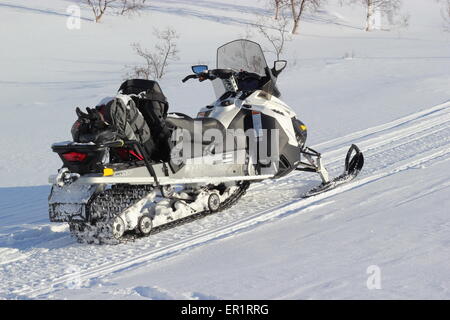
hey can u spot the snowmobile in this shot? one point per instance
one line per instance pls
(134, 168)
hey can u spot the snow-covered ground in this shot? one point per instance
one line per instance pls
(392, 98)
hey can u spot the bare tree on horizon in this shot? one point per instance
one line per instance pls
(389, 8)
(156, 60)
(275, 32)
(299, 7)
(99, 7)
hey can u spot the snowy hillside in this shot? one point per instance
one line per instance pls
(387, 91)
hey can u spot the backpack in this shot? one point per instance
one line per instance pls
(138, 113)
(152, 103)
(126, 119)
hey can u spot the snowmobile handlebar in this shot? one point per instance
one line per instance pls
(191, 76)
(211, 75)
(201, 77)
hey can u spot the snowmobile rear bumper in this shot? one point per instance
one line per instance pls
(68, 203)
(91, 154)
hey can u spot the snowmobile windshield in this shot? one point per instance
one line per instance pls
(247, 58)
(242, 55)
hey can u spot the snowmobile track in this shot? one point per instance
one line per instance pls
(390, 148)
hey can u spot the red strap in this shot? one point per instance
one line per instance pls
(136, 155)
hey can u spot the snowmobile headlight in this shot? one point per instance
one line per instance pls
(108, 172)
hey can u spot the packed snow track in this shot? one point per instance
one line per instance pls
(38, 259)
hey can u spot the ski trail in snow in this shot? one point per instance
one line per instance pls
(433, 118)
(404, 144)
(8, 255)
(421, 117)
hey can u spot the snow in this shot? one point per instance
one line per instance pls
(392, 98)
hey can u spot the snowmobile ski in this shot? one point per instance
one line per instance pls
(353, 165)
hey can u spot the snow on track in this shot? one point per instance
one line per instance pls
(408, 142)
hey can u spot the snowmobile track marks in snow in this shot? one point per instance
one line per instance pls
(425, 144)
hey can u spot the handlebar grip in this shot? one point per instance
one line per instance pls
(191, 76)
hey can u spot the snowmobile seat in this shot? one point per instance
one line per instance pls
(187, 123)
